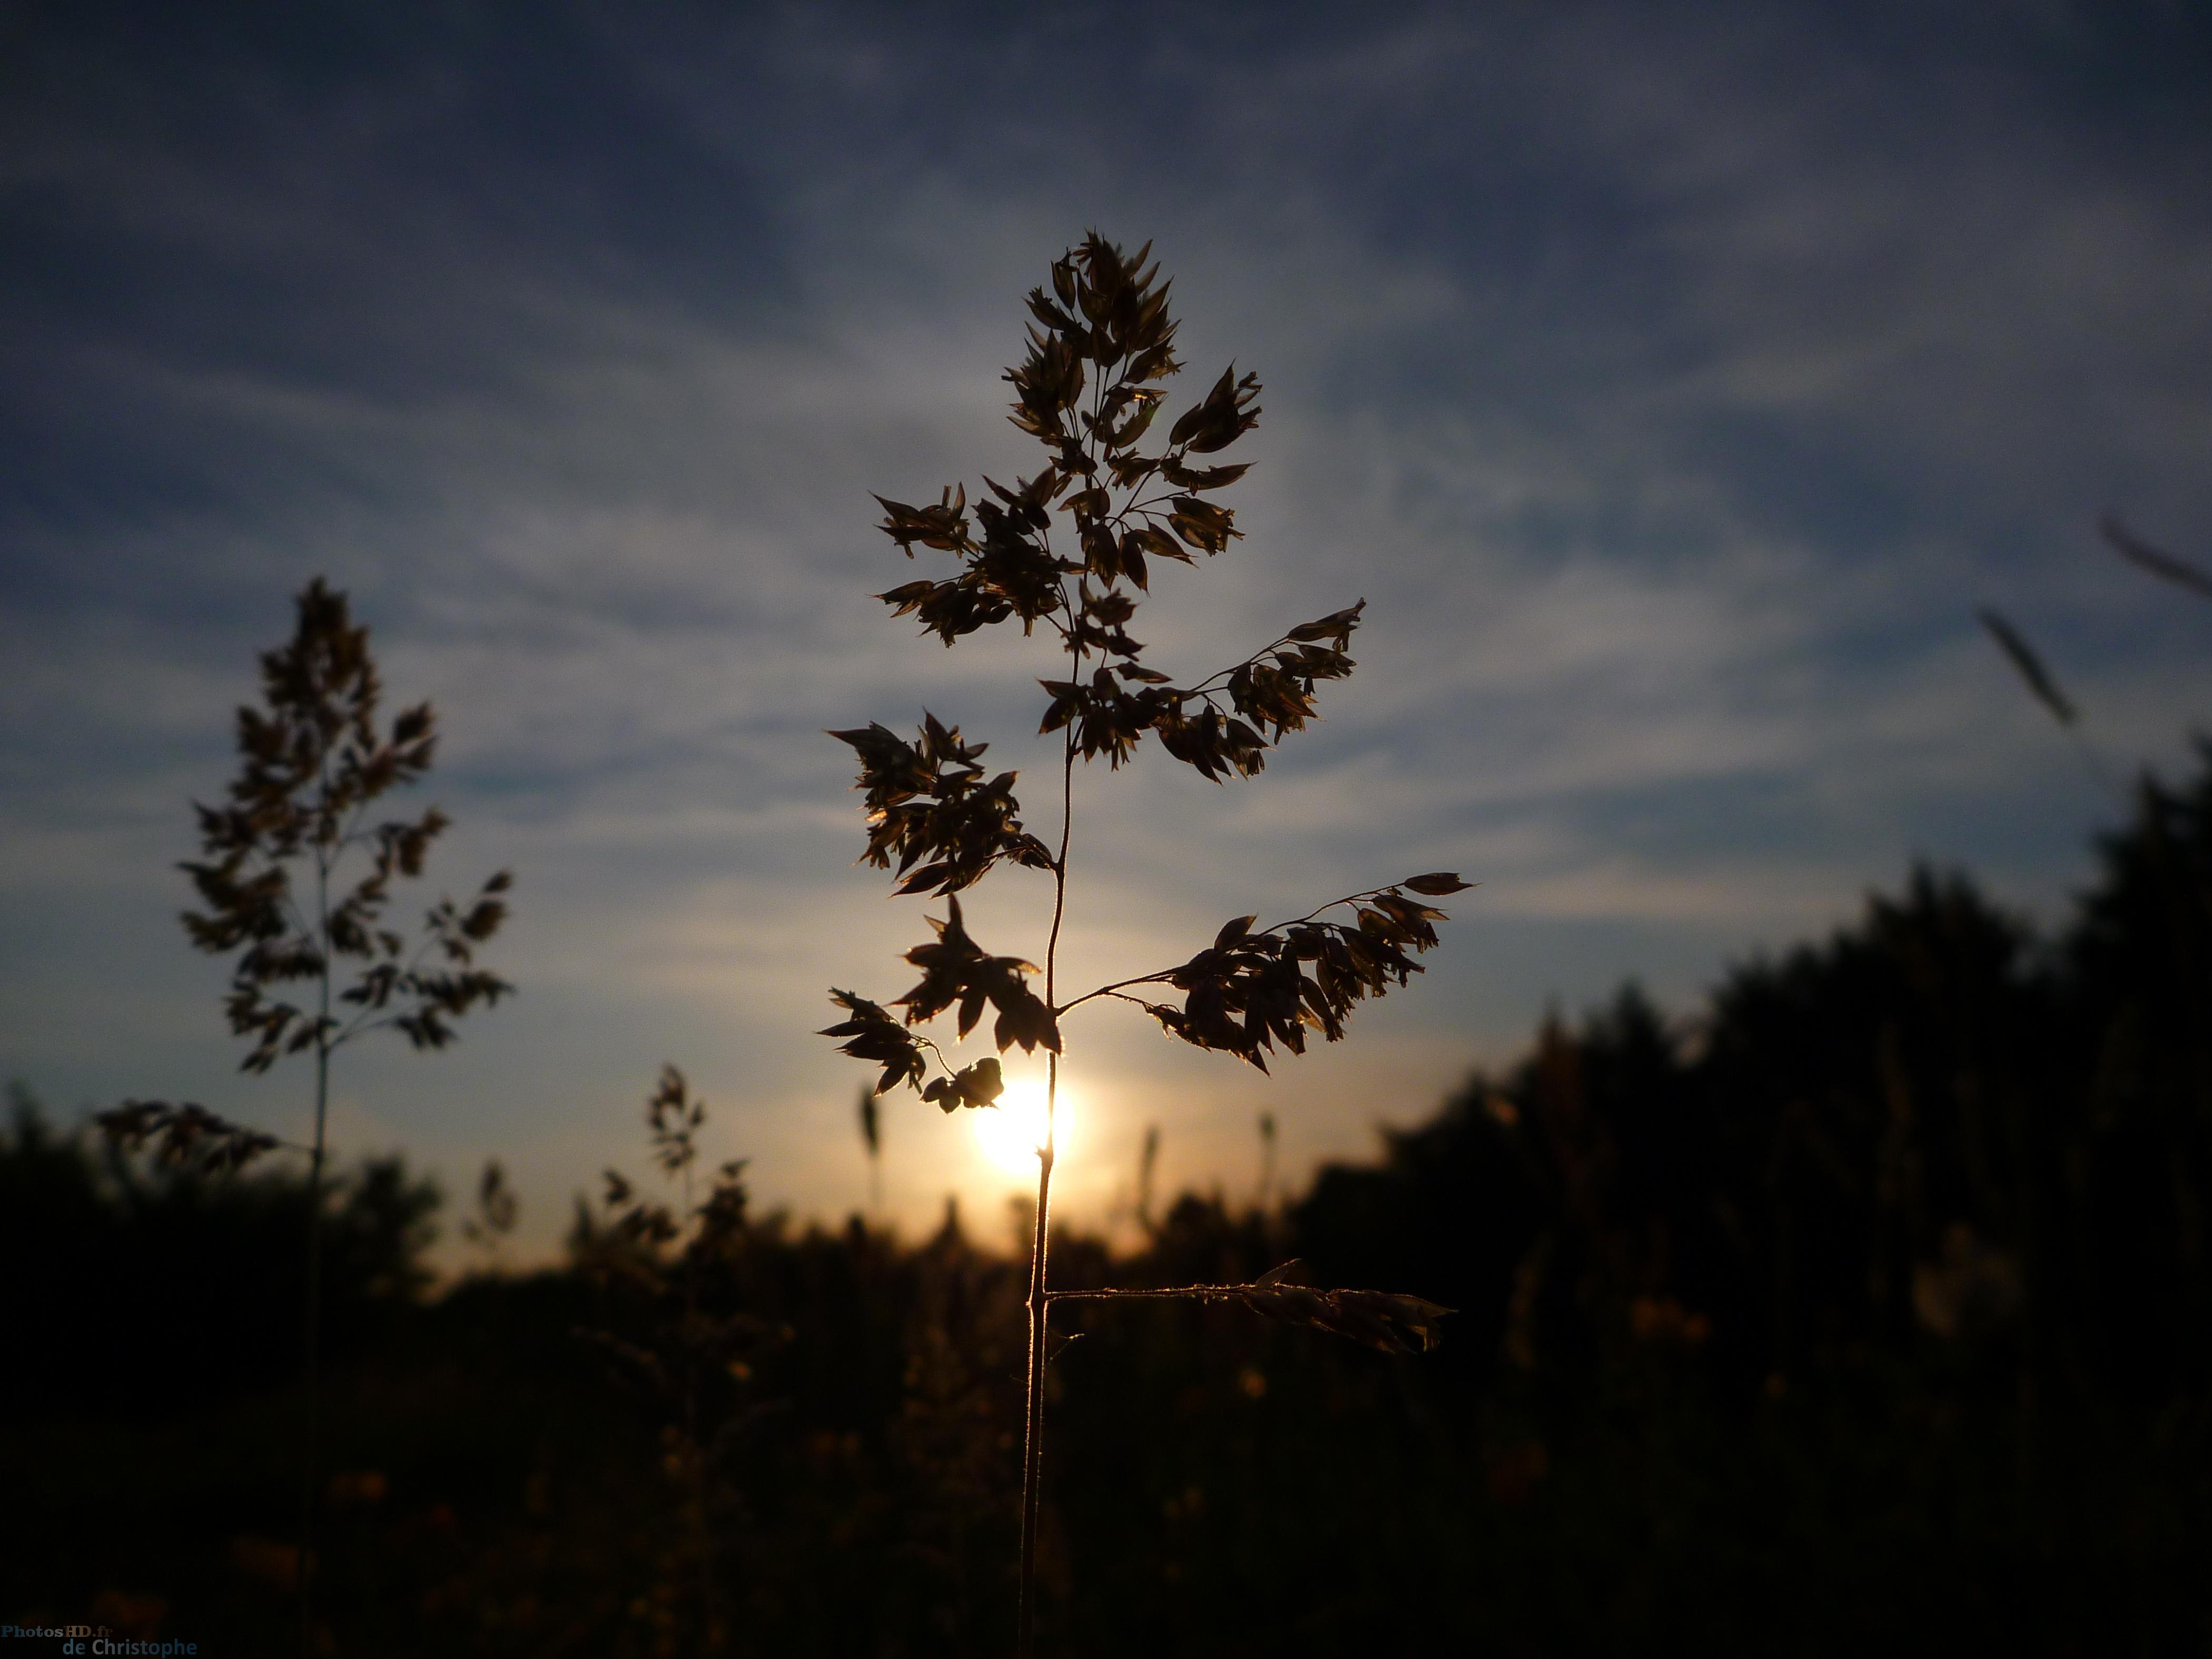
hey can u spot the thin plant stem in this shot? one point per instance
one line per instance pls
(709, 1636)
(1039, 1298)
(1172, 1293)
(1033, 1452)
(315, 1262)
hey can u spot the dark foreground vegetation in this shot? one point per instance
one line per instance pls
(1870, 1310)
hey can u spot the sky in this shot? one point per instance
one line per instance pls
(1674, 383)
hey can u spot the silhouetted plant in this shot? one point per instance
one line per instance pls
(1071, 548)
(313, 761)
(1148, 1164)
(187, 1136)
(2035, 674)
(872, 1140)
(693, 1365)
(497, 1211)
(2160, 563)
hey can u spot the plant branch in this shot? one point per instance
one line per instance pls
(1175, 1292)
(1162, 975)
(1349, 898)
(1205, 687)
(1116, 990)
(361, 1022)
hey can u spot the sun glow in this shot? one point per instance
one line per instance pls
(1012, 1132)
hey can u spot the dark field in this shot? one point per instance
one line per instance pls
(1869, 1311)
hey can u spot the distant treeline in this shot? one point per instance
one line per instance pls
(1936, 1125)
(1870, 1308)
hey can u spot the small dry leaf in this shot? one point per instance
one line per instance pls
(979, 1084)
(1437, 884)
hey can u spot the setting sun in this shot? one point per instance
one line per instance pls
(1010, 1133)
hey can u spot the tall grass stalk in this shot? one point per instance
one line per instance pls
(1071, 548)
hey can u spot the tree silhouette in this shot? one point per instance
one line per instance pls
(1072, 548)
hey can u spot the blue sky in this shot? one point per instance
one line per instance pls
(1673, 382)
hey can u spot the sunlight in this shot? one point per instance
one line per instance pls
(1010, 1133)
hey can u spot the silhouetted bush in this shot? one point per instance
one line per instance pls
(145, 1289)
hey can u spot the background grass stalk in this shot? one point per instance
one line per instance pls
(313, 761)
